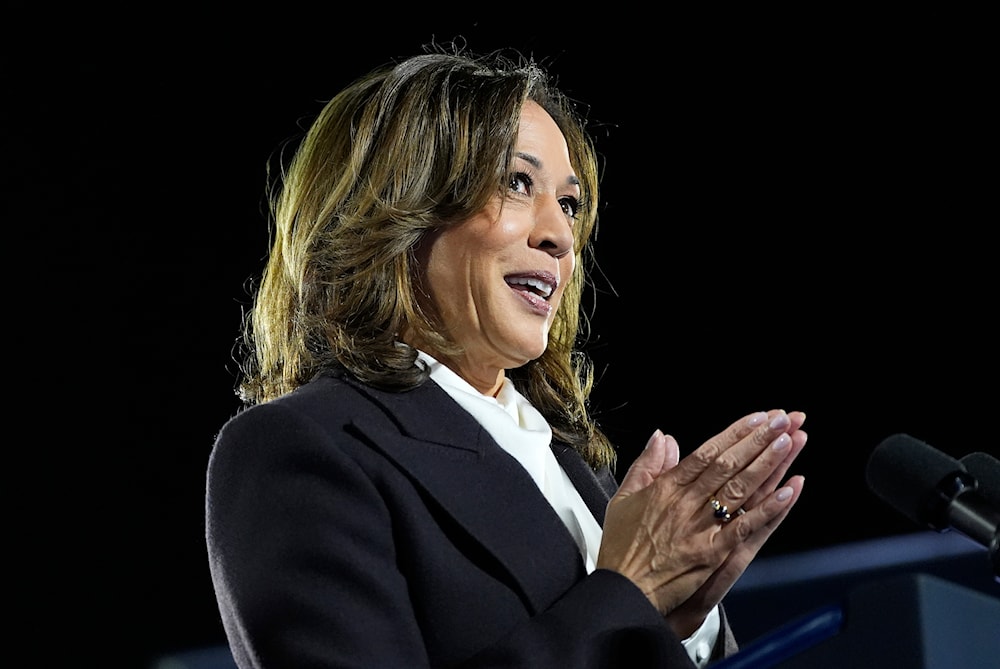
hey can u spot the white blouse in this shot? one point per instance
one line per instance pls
(521, 431)
(525, 434)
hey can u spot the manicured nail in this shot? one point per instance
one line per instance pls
(783, 494)
(781, 442)
(780, 421)
(757, 419)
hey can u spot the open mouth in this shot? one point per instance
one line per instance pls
(542, 287)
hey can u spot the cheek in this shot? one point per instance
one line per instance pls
(444, 281)
(566, 266)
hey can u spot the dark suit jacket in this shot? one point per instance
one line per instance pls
(350, 527)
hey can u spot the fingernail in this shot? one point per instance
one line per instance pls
(757, 419)
(783, 494)
(781, 442)
(779, 421)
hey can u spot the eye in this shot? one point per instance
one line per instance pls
(570, 205)
(520, 182)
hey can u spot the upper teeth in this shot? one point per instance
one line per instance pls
(542, 287)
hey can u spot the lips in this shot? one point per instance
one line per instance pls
(538, 284)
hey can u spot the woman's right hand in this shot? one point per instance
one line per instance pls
(660, 530)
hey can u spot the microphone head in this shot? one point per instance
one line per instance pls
(986, 470)
(916, 479)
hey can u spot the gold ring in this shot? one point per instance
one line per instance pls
(721, 511)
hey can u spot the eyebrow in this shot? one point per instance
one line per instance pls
(537, 164)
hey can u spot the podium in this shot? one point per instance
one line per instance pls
(912, 621)
(895, 615)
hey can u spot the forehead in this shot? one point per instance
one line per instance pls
(539, 136)
(536, 121)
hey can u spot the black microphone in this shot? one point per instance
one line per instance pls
(934, 490)
(986, 470)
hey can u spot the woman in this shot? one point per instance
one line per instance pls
(417, 481)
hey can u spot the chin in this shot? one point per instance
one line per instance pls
(535, 351)
(521, 346)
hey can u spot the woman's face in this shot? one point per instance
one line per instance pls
(496, 279)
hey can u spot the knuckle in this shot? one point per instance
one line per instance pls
(705, 556)
(734, 490)
(703, 458)
(742, 527)
(727, 464)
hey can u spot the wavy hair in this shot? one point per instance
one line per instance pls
(407, 149)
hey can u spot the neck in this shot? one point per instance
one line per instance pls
(486, 378)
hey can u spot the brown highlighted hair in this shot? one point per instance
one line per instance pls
(405, 150)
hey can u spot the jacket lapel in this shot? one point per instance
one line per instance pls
(595, 489)
(450, 456)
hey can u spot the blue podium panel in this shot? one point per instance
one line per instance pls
(775, 590)
(910, 621)
(794, 637)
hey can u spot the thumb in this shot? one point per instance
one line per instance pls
(661, 454)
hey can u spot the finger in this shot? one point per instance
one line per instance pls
(799, 438)
(718, 584)
(750, 530)
(691, 467)
(757, 534)
(771, 484)
(661, 453)
(672, 455)
(797, 418)
(768, 442)
(763, 475)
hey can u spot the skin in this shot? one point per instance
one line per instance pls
(659, 530)
(470, 269)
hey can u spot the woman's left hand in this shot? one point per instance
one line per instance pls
(689, 616)
(725, 460)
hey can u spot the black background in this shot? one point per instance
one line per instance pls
(798, 212)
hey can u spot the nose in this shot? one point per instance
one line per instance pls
(553, 230)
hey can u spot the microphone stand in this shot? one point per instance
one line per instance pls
(956, 505)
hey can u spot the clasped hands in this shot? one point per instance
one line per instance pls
(660, 530)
